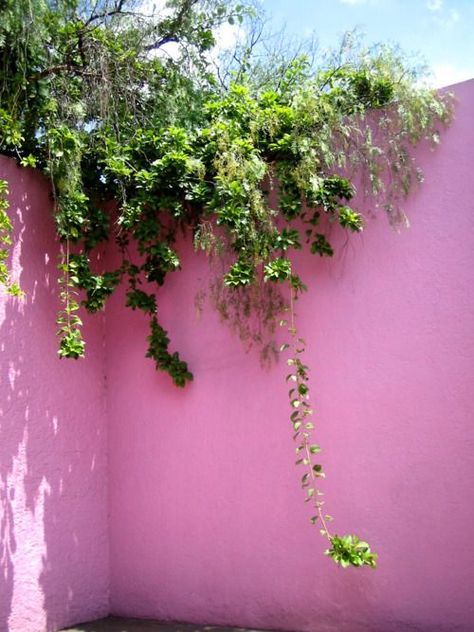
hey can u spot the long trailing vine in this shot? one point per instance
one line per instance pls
(256, 157)
(347, 550)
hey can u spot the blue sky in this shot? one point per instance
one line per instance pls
(440, 32)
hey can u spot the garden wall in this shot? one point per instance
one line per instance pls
(207, 520)
(53, 475)
(205, 517)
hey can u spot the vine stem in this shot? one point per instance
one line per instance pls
(68, 314)
(292, 330)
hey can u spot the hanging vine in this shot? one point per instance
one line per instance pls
(257, 165)
(6, 230)
(347, 550)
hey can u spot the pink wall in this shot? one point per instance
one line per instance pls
(53, 518)
(207, 521)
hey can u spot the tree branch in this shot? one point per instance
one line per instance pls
(105, 14)
(174, 27)
(54, 70)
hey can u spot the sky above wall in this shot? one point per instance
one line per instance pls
(439, 32)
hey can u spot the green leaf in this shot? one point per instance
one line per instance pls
(277, 270)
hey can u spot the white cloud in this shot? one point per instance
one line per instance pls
(171, 50)
(454, 16)
(228, 35)
(446, 74)
(434, 5)
(446, 20)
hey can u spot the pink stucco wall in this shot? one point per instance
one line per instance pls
(207, 521)
(53, 515)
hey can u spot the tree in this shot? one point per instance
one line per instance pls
(92, 96)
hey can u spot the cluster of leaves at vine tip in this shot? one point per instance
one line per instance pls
(348, 550)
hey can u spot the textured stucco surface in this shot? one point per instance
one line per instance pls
(53, 514)
(207, 519)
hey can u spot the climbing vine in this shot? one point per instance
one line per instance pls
(141, 142)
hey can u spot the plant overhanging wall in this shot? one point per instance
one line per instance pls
(254, 150)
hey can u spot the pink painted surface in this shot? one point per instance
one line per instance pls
(53, 517)
(207, 522)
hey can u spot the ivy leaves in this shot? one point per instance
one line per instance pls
(277, 270)
(349, 550)
(71, 343)
(6, 229)
(171, 363)
(240, 274)
(158, 341)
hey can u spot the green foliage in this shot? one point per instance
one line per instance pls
(241, 273)
(71, 344)
(277, 270)
(139, 145)
(348, 550)
(6, 228)
(98, 287)
(165, 361)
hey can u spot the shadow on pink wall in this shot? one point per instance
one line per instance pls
(53, 531)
